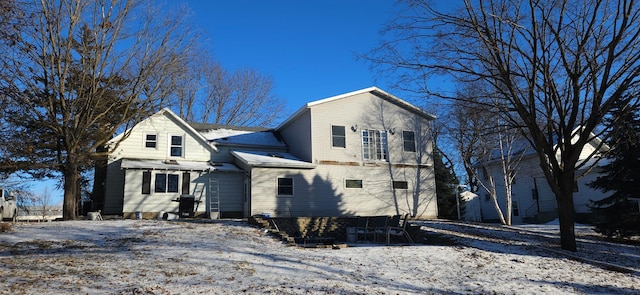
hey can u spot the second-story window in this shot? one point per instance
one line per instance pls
(374, 145)
(409, 141)
(338, 138)
(177, 146)
(151, 141)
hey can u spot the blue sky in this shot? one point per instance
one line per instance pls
(308, 48)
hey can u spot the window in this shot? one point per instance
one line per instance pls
(146, 182)
(353, 183)
(514, 206)
(176, 146)
(285, 186)
(338, 138)
(409, 139)
(166, 183)
(374, 145)
(151, 141)
(400, 185)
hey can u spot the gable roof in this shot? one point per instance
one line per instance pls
(373, 90)
(179, 121)
(522, 147)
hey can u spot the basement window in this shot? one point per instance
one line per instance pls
(400, 185)
(353, 183)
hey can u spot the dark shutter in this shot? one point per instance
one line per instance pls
(146, 182)
(186, 180)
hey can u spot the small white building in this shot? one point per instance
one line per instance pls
(472, 210)
(365, 152)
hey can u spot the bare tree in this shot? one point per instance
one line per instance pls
(468, 127)
(80, 71)
(244, 97)
(209, 93)
(556, 67)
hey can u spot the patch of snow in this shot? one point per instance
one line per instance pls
(231, 257)
(242, 137)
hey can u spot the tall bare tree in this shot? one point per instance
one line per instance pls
(485, 142)
(556, 66)
(244, 97)
(210, 93)
(78, 72)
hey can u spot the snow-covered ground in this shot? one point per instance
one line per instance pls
(231, 257)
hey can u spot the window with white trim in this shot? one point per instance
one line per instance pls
(374, 145)
(151, 141)
(166, 183)
(285, 186)
(353, 183)
(409, 141)
(338, 136)
(176, 148)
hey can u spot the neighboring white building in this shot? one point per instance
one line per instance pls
(472, 211)
(533, 199)
(362, 153)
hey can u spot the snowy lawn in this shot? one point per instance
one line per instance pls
(231, 257)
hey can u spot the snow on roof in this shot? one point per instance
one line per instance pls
(271, 159)
(177, 165)
(468, 196)
(229, 136)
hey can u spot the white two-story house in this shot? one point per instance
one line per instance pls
(533, 200)
(365, 152)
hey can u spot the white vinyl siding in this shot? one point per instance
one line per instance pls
(133, 147)
(322, 192)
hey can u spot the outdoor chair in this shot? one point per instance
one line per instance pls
(377, 227)
(399, 231)
(361, 228)
(395, 221)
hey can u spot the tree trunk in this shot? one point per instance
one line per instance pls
(71, 176)
(494, 197)
(566, 212)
